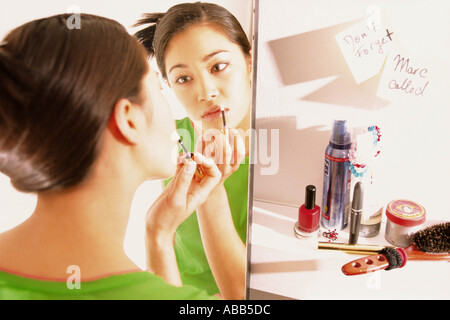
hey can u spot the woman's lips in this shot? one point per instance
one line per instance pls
(213, 113)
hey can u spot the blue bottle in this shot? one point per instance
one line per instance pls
(337, 178)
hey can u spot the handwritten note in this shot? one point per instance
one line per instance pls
(404, 75)
(365, 47)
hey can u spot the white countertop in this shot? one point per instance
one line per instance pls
(284, 265)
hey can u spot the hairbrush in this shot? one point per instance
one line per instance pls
(432, 243)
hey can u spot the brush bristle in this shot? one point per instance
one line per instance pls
(434, 239)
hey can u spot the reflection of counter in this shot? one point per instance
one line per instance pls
(282, 264)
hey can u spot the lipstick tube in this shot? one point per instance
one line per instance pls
(357, 208)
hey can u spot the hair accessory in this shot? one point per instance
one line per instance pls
(359, 163)
(331, 235)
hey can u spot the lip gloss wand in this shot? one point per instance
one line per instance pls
(225, 129)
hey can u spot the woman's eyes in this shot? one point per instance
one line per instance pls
(215, 68)
(219, 67)
(183, 79)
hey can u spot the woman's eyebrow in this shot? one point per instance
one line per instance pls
(177, 66)
(209, 56)
(205, 59)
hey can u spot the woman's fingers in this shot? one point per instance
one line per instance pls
(208, 165)
(200, 189)
(227, 150)
(200, 145)
(189, 192)
(181, 183)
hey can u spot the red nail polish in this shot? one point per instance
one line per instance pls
(308, 214)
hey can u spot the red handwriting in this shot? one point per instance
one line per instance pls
(407, 87)
(365, 43)
(412, 84)
(404, 66)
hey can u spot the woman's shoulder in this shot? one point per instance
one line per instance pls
(9, 247)
(184, 123)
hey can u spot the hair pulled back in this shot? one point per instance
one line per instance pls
(162, 27)
(58, 90)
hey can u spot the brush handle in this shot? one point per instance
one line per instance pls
(383, 260)
(350, 248)
(412, 252)
(365, 265)
(415, 254)
(380, 262)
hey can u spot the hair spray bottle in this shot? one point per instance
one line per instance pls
(337, 178)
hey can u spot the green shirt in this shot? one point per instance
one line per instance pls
(130, 286)
(191, 258)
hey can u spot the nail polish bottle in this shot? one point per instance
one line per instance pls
(308, 215)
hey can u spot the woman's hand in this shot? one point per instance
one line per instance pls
(225, 251)
(182, 195)
(179, 199)
(228, 151)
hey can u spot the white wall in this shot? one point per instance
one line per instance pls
(304, 83)
(16, 207)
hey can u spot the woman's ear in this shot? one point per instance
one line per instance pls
(250, 64)
(128, 120)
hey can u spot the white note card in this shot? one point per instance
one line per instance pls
(365, 46)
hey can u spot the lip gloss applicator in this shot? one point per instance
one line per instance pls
(225, 129)
(199, 173)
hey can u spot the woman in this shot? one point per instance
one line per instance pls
(83, 124)
(204, 55)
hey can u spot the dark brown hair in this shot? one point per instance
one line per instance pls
(162, 27)
(58, 90)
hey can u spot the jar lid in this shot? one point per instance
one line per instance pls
(405, 213)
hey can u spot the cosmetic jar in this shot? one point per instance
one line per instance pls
(404, 218)
(371, 221)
